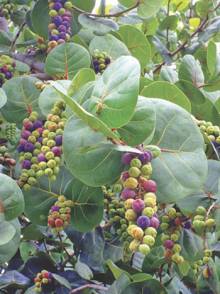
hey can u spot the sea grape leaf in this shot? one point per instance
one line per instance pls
(182, 167)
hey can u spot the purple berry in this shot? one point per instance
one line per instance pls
(57, 6)
(54, 38)
(127, 193)
(62, 36)
(41, 157)
(145, 157)
(143, 221)
(8, 75)
(29, 147)
(62, 28)
(138, 205)
(25, 134)
(57, 151)
(20, 148)
(107, 60)
(26, 164)
(188, 225)
(57, 20)
(125, 175)
(154, 222)
(59, 140)
(37, 124)
(55, 208)
(40, 139)
(168, 244)
(127, 158)
(66, 23)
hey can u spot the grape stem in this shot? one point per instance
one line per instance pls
(138, 2)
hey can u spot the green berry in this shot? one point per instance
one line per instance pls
(144, 249)
(134, 172)
(135, 162)
(148, 211)
(149, 240)
(151, 232)
(201, 210)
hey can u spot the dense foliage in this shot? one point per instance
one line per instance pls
(110, 146)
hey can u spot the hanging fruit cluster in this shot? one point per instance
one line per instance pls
(7, 68)
(29, 148)
(115, 210)
(209, 130)
(140, 201)
(51, 150)
(202, 265)
(40, 146)
(42, 280)
(172, 224)
(7, 8)
(10, 132)
(100, 61)
(5, 157)
(60, 214)
(201, 221)
(61, 20)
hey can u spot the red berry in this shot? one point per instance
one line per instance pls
(58, 222)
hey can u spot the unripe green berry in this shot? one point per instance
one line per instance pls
(135, 162)
(149, 240)
(144, 249)
(134, 172)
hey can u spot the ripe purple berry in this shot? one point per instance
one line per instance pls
(127, 193)
(154, 222)
(29, 147)
(138, 205)
(127, 158)
(56, 151)
(168, 244)
(41, 157)
(59, 140)
(143, 222)
(26, 164)
(145, 157)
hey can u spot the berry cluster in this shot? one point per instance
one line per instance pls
(115, 210)
(7, 68)
(100, 61)
(60, 214)
(5, 158)
(7, 8)
(29, 149)
(60, 26)
(140, 203)
(201, 222)
(209, 130)
(171, 225)
(51, 151)
(10, 132)
(42, 280)
(40, 146)
(203, 264)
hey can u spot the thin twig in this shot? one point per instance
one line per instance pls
(168, 14)
(17, 36)
(89, 286)
(184, 44)
(63, 247)
(108, 15)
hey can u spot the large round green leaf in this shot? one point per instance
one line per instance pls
(87, 211)
(66, 60)
(167, 91)
(190, 70)
(115, 94)
(111, 45)
(137, 43)
(39, 200)
(49, 96)
(88, 156)
(40, 18)
(10, 239)
(142, 125)
(11, 198)
(22, 97)
(182, 167)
